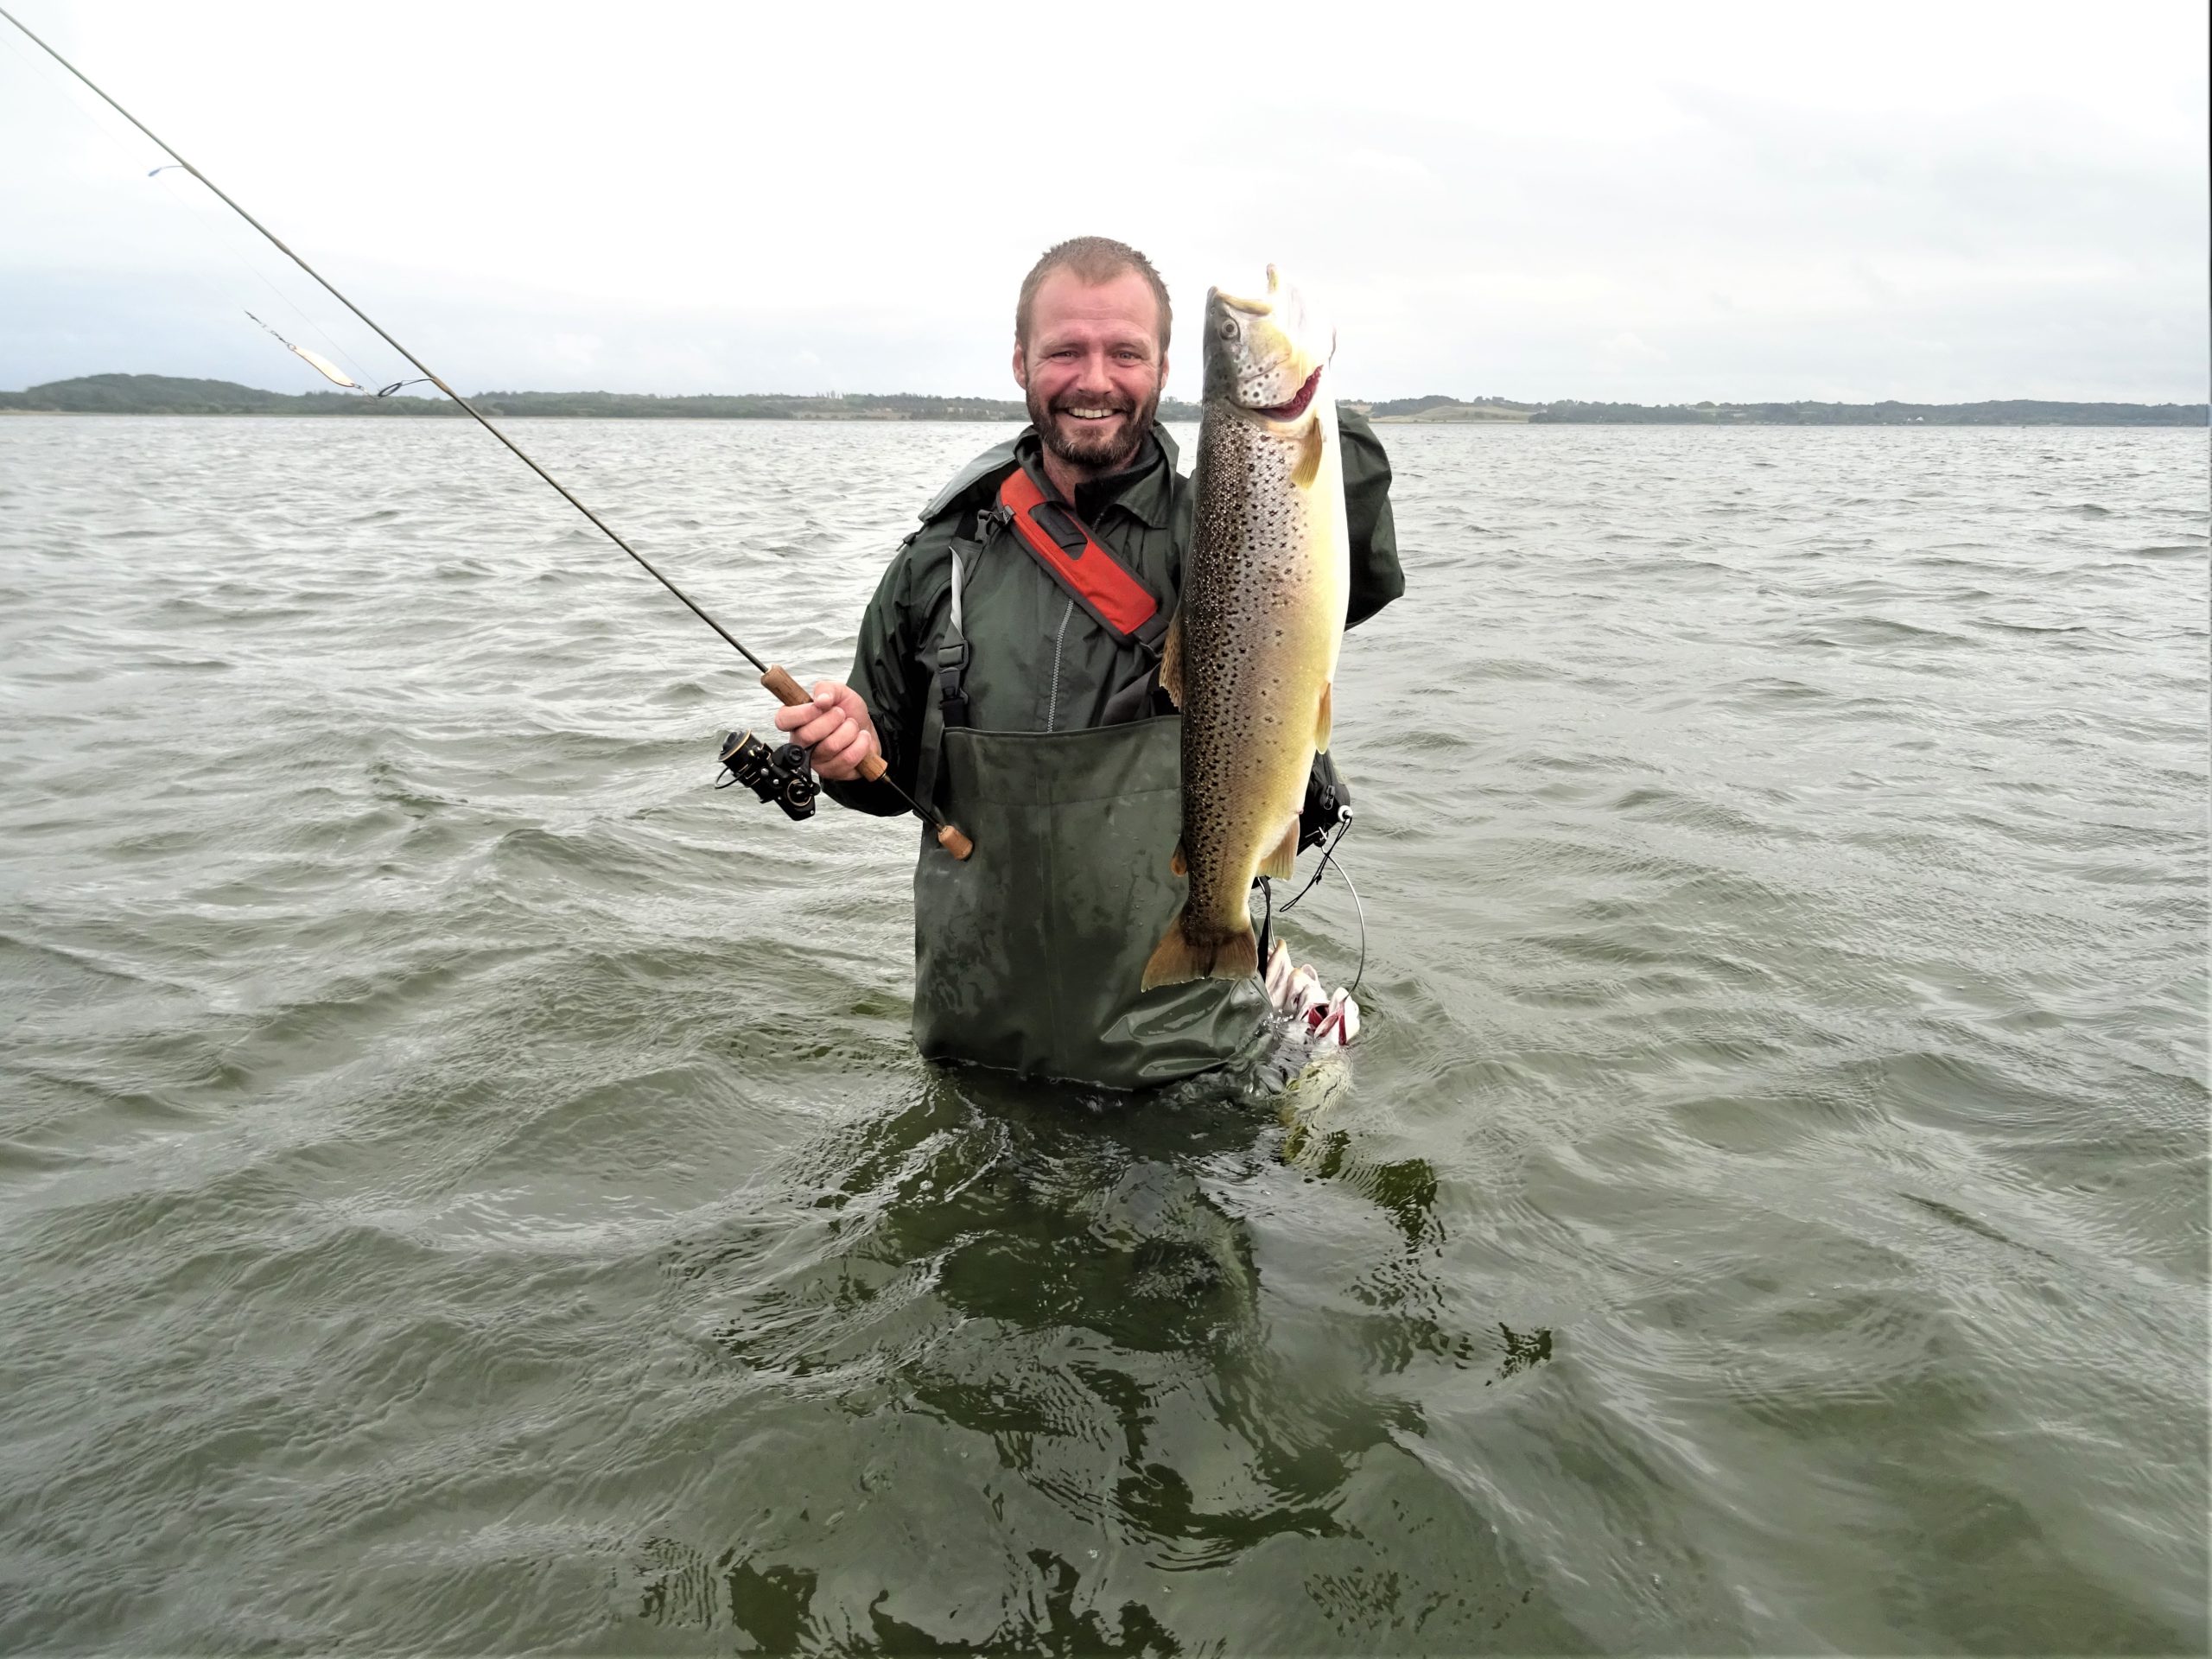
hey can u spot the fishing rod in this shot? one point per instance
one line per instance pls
(777, 765)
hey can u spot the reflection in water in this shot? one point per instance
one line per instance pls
(774, 1609)
(1524, 1349)
(1046, 1309)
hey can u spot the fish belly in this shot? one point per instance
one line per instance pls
(1262, 610)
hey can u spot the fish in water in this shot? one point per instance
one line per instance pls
(1252, 650)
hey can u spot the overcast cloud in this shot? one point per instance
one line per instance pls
(1928, 201)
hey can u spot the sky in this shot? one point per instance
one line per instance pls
(1933, 201)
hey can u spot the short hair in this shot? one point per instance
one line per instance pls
(1094, 259)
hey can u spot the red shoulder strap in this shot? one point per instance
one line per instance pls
(1075, 558)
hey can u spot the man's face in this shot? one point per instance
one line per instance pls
(1093, 369)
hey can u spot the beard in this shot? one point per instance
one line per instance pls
(1097, 453)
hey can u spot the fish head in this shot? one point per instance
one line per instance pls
(1266, 356)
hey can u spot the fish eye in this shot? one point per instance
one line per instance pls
(1228, 330)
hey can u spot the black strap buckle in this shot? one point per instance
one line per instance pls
(1327, 805)
(952, 660)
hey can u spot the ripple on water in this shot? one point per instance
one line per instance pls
(470, 1187)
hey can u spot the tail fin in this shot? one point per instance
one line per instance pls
(1191, 950)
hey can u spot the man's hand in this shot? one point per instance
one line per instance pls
(836, 726)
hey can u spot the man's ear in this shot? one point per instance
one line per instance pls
(1021, 367)
(1163, 373)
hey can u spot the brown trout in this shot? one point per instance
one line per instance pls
(1252, 649)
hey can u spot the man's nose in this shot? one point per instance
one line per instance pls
(1095, 376)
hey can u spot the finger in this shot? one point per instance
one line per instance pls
(835, 694)
(839, 759)
(821, 724)
(788, 719)
(836, 748)
(856, 755)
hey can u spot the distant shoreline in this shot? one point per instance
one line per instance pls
(150, 394)
(1498, 411)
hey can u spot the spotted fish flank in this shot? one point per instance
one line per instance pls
(1251, 652)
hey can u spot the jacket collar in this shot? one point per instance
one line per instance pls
(1144, 490)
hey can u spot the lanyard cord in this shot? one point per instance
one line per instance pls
(1329, 860)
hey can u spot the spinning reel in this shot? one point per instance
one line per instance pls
(784, 775)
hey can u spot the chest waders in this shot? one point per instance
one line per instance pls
(1027, 956)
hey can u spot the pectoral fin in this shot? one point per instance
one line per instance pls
(1278, 864)
(1324, 721)
(1309, 458)
(1180, 864)
(1170, 663)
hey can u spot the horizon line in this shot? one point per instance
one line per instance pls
(833, 396)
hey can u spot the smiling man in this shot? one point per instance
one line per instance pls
(1007, 669)
(1090, 357)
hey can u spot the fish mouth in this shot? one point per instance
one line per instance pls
(1298, 406)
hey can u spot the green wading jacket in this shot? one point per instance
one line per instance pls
(1039, 663)
(1028, 957)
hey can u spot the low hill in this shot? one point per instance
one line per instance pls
(146, 394)
(1435, 411)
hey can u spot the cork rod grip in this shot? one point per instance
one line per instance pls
(778, 679)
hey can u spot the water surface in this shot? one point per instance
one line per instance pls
(465, 1185)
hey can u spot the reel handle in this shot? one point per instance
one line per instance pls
(787, 691)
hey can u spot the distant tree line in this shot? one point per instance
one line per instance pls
(159, 394)
(2008, 412)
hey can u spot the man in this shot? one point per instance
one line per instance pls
(1016, 688)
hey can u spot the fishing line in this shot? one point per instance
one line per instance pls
(222, 232)
(427, 373)
(225, 234)
(776, 679)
